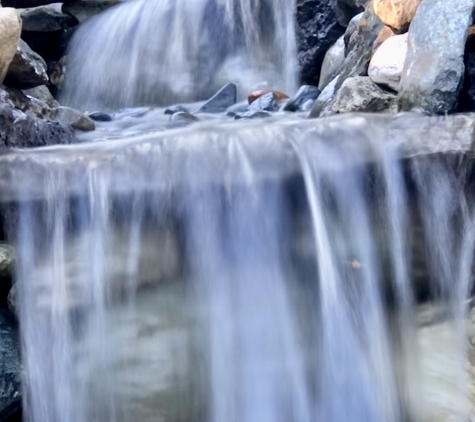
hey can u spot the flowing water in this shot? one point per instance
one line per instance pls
(278, 270)
(243, 272)
(167, 51)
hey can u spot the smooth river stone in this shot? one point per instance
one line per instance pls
(434, 67)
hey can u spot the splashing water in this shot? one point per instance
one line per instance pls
(242, 272)
(166, 51)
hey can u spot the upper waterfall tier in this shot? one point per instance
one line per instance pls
(165, 51)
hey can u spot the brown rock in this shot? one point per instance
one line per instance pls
(397, 14)
(253, 96)
(10, 31)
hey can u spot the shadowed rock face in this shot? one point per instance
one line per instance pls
(433, 71)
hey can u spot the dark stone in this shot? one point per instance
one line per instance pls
(360, 46)
(303, 95)
(319, 25)
(433, 71)
(220, 101)
(10, 367)
(47, 30)
(467, 94)
(84, 9)
(98, 116)
(252, 114)
(30, 106)
(26, 3)
(350, 8)
(266, 103)
(176, 109)
(27, 69)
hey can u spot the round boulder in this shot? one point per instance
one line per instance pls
(10, 31)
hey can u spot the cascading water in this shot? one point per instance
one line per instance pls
(242, 272)
(166, 51)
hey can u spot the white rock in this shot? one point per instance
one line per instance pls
(387, 62)
(10, 31)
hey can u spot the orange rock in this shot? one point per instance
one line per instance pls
(253, 96)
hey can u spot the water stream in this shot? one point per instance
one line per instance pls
(278, 270)
(245, 272)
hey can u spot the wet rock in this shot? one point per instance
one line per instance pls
(257, 94)
(56, 73)
(237, 108)
(433, 70)
(219, 102)
(47, 30)
(27, 69)
(359, 47)
(397, 14)
(183, 116)
(332, 63)
(350, 8)
(385, 67)
(304, 94)
(351, 29)
(266, 102)
(21, 130)
(319, 25)
(307, 105)
(98, 116)
(26, 3)
(176, 109)
(10, 30)
(467, 94)
(43, 94)
(10, 367)
(47, 18)
(30, 106)
(360, 93)
(322, 104)
(252, 114)
(84, 9)
(74, 118)
(7, 260)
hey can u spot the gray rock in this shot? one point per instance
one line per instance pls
(74, 118)
(252, 114)
(350, 30)
(27, 69)
(176, 109)
(433, 70)
(183, 116)
(304, 94)
(266, 102)
(31, 106)
(99, 116)
(7, 260)
(43, 94)
(319, 25)
(10, 367)
(323, 103)
(18, 129)
(332, 63)
(360, 46)
(360, 93)
(307, 105)
(220, 101)
(240, 107)
(84, 9)
(47, 18)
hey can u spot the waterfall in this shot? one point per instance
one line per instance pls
(166, 51)
(251, 272)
